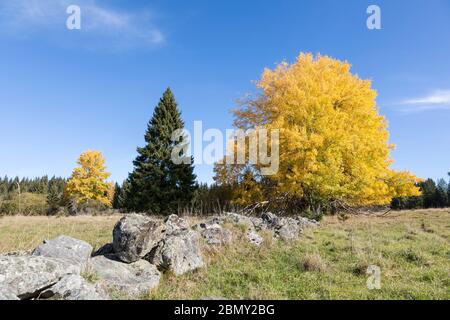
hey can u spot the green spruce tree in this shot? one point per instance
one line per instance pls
(120, 194)
(157, 185)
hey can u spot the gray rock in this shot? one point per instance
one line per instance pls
(287, 229)
(179, 253)
(63, 247)
(104, 250)
(251, 222)
(6, 294)
(74, 287)
(175, 224)
(132, 279)
(254, 238)
(217, 235)
(27, 276)
(135, 235)
(238, 219)
(212, 223)
(307, 223)
(270, 220)
(258, 223)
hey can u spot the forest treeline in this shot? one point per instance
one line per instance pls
(434, 194)
(45, 196)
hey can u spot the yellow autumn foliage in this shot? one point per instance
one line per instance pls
(333, 141)
(88, 180)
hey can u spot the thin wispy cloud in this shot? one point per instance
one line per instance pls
(106, 26)
(438, 99)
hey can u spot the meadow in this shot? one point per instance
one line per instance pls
(412, 249)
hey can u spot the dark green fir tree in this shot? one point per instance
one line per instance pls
(158, 185)
(117, 203)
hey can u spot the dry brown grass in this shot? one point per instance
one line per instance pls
(313, 262)
(20, 233)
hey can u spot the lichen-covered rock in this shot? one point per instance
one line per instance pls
(212, 223)
(27, 276)
(63, 247)
(254, 238)
(270, 220)
(74, 287)
(131, 279)
(217, 235)
(135, 235)
(307, 223)
(178, 252)
(6, 294)
(175, 224)
(238, 219)
(287, 229)
(258, 223)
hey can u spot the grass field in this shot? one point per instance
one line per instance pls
(412, 248)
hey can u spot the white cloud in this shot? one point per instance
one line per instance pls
(107, 26)
(438, 99)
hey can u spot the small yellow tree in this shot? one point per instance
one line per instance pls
(88, 181)
(333, 142)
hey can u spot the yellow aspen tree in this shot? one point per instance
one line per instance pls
(333, 141)
(88, 180)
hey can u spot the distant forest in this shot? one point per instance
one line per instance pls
(45, 196)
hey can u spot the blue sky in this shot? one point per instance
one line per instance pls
(66, 91)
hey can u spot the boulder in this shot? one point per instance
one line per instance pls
(6, 294)
(212, 223)
(178, 253)
(238, 219)
(175, 224)
(74, 287)
(131, 279)
(287, 229)
(270, 220)
(27, 276)
(258, 223)
(307, 223)
(254, 238)
(63, 247)
(135, 235)
(217, 235)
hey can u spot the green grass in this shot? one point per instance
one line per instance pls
(331, 262)
(412, 248)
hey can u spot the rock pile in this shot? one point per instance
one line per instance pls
(142, 248)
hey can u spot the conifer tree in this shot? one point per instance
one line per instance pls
(117, 202)
(158, 185)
